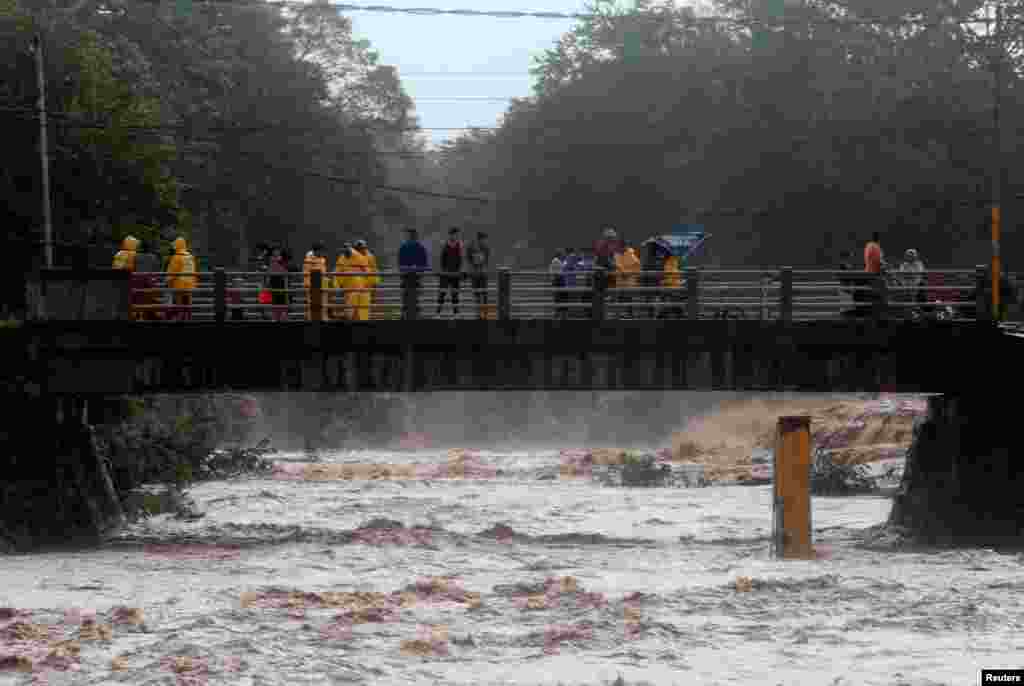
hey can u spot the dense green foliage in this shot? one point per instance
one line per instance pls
(242, 124)
(816, 132)
(206, 126)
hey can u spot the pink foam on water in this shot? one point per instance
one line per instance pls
(559, 633)
(288, 471)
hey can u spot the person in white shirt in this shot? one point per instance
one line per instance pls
(912, 276)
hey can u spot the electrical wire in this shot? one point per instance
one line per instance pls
(517, 14)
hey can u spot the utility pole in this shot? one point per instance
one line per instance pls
(44, 148)
(997, 162)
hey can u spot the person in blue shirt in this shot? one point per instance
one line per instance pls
(412, 261)
(412, 255)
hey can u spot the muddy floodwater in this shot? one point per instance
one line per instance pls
(507, 575)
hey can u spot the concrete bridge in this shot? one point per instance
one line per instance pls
(66, 368)
(719, 329)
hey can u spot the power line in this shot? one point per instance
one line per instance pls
(68, 119)
(358, 182)
(690, 21)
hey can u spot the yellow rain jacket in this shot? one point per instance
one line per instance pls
(311, 264)
(125, 258)
(183, 263)
(672, 276)
(356, 298)
(627, 266)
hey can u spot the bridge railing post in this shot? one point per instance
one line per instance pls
(220, 295)
(881, 296)
(600, 294)
(504, 294)
(786, 294)
(316, 289)
(982, 304)
(692, 293)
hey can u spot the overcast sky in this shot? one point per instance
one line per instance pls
(448, 63)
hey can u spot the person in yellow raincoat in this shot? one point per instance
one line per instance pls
(342, 283)
(627, 270)
(181, 271)
(315, 262)
(125, 259)
(373, 274)
(672, 279)
(357, 297)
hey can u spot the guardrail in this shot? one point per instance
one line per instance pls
(751, 294)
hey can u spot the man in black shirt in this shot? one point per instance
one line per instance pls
(451, 271)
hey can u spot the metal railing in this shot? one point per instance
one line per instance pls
(785, 294)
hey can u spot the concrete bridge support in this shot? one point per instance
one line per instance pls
(962, 481)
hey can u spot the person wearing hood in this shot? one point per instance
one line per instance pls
(372, 278)
(627, 272)
(912, 274)
(125, 259)
(672, 282)
(652, 265)
(357, 305)
(182, 277)
(315, 262)
(341, 283)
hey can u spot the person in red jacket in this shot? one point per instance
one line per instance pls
(451, 271)
(873, 257)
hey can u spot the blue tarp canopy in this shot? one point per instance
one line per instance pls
(682, 242)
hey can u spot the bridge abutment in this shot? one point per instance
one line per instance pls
(961, 483)
(57, 487)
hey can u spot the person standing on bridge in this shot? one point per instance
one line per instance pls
(672, 283)
(451, 271)
(278, 283)
(413, 260)
(357, 297)
(627, 272)
(182, 277)
(873, 257)
(912, 277)
(558, 282)
(373, 274)
(478, 254)
(315, 261)
(570, 266)
(341, 284)
(125, 259)
(874, 262)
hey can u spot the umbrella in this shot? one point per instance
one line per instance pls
(679, 244)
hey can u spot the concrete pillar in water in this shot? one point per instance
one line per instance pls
(791, 489)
